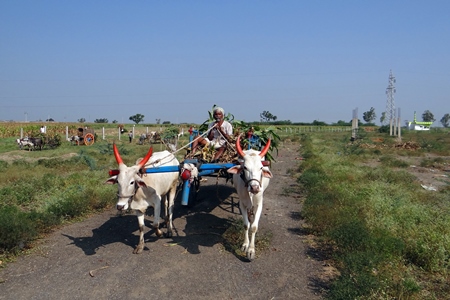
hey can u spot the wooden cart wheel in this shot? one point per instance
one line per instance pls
(89, 139)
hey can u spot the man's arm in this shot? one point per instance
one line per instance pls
(224, 133)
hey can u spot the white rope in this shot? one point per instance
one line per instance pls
(188, 144)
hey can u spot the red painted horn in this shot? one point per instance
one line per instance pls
(265, 149)
(117, 155)
(238, 147)
(146, 158)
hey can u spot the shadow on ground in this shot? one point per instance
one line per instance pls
(201, 227)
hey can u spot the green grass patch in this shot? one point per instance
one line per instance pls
(391, 238)
(233, 238)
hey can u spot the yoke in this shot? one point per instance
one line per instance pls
(204, 169)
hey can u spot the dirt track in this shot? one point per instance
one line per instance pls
(93, 259)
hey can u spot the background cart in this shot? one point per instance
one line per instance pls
(86, 136)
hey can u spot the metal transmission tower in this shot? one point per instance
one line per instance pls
(390, 105)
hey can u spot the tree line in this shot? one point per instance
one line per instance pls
(267, 117)
(427, 116)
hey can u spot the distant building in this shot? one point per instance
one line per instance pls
(414, 125)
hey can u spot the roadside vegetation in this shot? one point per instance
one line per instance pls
(388, 237)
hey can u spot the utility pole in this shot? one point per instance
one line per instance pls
(390, 104)
(354, 125)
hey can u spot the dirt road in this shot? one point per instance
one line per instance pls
(93, 259)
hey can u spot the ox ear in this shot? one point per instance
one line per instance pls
(266, 172)
(234, 170)
(141, 183)
(111, 180)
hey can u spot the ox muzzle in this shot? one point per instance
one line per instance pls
(253, 185)
(124, 202)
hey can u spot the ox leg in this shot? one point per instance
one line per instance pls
(157, 215)
(169, 203)
(140, 215)
(253, 229)
(244, 212)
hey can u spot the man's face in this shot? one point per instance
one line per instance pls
(218, 115)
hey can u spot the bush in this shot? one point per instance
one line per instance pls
(17, 229)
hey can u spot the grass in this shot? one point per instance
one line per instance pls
(233, 238)
(391, 238)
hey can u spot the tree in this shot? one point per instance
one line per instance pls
(318, 123)
(114, 121)
(343, 123)
(370, 115)
(137, 118)
(104, 120)
(445, 120)
(50, 120)
(266, 116)
(428, 116)
(81, 120)
(383, 117)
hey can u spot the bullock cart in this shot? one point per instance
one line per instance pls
(192, 170)
(85, 136)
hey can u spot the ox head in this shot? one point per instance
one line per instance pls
(251, 169)
(128, 179)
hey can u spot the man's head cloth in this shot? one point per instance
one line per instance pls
(219, 109)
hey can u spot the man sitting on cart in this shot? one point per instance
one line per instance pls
(220, 132)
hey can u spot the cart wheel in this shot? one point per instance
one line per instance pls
(89, 139)
(195, 186)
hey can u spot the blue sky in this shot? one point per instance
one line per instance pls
(173, 60)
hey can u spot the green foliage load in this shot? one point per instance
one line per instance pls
(242, 128)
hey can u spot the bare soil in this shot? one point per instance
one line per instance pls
(93, 259)
(432, 178)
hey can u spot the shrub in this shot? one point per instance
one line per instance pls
(17, 229)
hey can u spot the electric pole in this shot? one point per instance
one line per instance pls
(390, 104)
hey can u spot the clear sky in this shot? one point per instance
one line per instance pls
(173, 60)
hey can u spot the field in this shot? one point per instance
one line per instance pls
(377, 208)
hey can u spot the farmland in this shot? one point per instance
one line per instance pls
(368, 204)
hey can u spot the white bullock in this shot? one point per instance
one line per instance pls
(250, 178)
(142, 190)
(25, 142)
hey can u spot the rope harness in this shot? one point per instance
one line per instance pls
(250, 180)
(130, 197)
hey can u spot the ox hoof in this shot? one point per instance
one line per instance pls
(138, 250)
(244, 248)
(168, 234)
(251, 255)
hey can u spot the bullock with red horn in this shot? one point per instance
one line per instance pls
(250, 178)
(139, 191)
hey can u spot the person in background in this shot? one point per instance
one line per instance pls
(220, 133)
(130, 136)
(42, 130)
